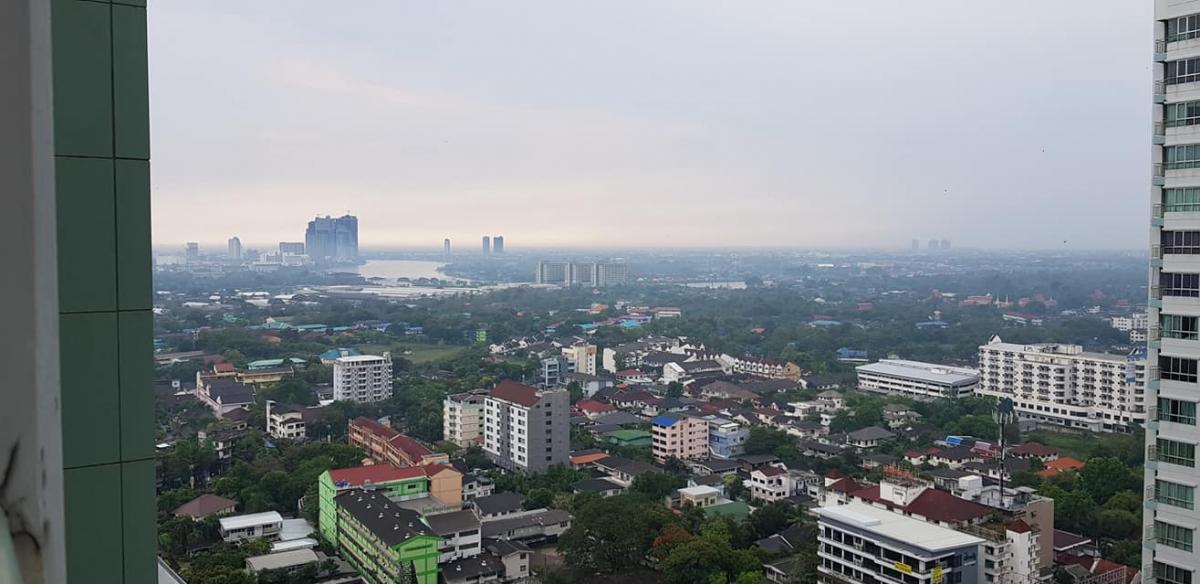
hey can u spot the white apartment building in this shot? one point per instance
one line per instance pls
(265, 525)
(1066, 386)
(285, 422)
(362, 378)
(525, 428)
(861, 543)
(1134, 321)
(917, 380)
(462, 418)
(1169, 553)
(580, 358)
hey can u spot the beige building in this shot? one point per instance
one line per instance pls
(462, 418)
(682, 437)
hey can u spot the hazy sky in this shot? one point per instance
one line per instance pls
(1022, 123)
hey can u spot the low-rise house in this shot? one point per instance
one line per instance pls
(499, 505)
(628, 438)
(223, 394)
(869, 437)
(818, 449)
(870, 461)
(583, 458)
(251, 526)
(285, 422)
(919, 457)
(699, 496)
(478, 569)
(688, 370)
(602, 486)
(459, 531)
(592, 408)
(623, 470)
(788, 540)
(288, 560)
(206, 505)
(954, 457)
(714, 466)
(1061, 465)
(783, 570)
(221, 440)
(513, 555)
(1035, 450)
(474, 486)
(534, 526)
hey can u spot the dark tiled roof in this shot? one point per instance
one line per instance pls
(934, 504)
(517, 393)
(500, 503)
(445, 524)
(597, 485)
(204, 505)
(389, 522)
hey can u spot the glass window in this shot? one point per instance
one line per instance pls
(1168, 574)
(1177, 369)
(1173, 452)
(1181, 200)
(1184, 113)
(1183, 156)
(1187, 285)
(1177, 411)
(1180, 327)
(1183, 28)
(1183, 71)
(1174, 536)
(1175, 494)
(1180, 242)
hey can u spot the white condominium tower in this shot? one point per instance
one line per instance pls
(1065, 385)
(1169, 553)
(362, 378)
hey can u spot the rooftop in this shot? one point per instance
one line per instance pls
(250, 520)
(517, 393)
(897, 527)
(205, 505)
(928, 372)
(376, 474)
(500, 503)
(282, 560)
(389, 522)
(451, 523)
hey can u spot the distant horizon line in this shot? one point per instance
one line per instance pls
(475, 250)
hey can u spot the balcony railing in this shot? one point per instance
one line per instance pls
(1160, 46)
(1156, 210)
(1156, 251)
(1157, 169)
(1153, 333)
(1160, 88)
(1151, 452)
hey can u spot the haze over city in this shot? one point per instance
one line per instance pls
(671, 124)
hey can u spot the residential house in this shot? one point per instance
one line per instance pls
(204, 506)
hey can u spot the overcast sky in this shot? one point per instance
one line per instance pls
(1022, 123)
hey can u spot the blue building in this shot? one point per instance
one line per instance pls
(848, 355)
(726, 438)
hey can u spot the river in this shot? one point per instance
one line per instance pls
(395, 269)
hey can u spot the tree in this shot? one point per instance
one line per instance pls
(656, 485)
(1102, 478)
(539, 498)
(674, 389)
(574, 391)
(612, 534)
(772, 518)
(1118, 524)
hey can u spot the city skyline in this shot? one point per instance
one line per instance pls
(449, 120)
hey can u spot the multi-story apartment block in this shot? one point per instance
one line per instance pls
(362, 378)
(917, 380)
(859, 543)
(385, 542)
(549, 272)
(525, 428)
(332, 239)
(1171, 518)
(462, 418)
(387, 446)
(580, 358)
(1064, 385)
(285, 422)
(682, 437)
(383, 478)
(1134, 321)
(726, 438)
(610, 274)
(769, 368)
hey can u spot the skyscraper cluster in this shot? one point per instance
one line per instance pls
(493, 244)
(596, 274)
(332, 239)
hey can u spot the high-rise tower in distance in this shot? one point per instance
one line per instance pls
(446, 246)
(332, 239)
(1169, 552)
(487, 245)
(498, 244)
(235, 248)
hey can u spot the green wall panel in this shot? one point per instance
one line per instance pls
(134, 286)
(131, 106)
(90, 399)
(87, 259)
(136, 378)
(93, 521)
(140, 512)
(82, 48)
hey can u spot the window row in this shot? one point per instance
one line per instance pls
(1184, 113)
(1172, 535)
(1175, 326)
(1185, 285)
(1183, 28)
(1180, 242)
(1177, 369)
(1182, 71)
(1173, 452)
(1185, 199)
(1175, 494)
(1182, 156)
(1176, 411)
(1168, 574)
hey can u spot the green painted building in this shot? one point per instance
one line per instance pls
(386, 543)
(383, 478)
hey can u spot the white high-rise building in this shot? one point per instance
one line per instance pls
(1169, 553)
(362, 378)
(580, 358)
(462, 418)
(525, 428)
(235, 248)
(1065, 385)
(611, 274)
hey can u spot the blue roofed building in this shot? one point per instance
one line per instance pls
(328, 357)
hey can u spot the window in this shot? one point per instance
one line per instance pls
(1180, 327)
(1173, 452)
(1168, 574)
(1181, 199)
(1183, 156)
(1177, 411)
(1177, 369)
(1173, 535)
(1186, 285)
(1175, 494)
(1183, 28)
(1180, 242)
(1183, 71)
(1185, 113)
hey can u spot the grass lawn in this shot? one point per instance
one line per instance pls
(1127, 447)
(421, 352)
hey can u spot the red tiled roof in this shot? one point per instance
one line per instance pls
(1019, 526)
(1097, 566)
(374, 427)
(588, 458)
(847, 485)
(376, 473)
(436, 469)
(771, 470)
(834, 474)
(205, 505)
(225, 367)
(1061, 465)
(410, 447)
(591, 405)
(517, 393)
(933, 504)
(629, 373)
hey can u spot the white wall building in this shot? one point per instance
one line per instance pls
(526, 428)
(1064, 385)
(861, 543)
(1169, 552)
(462, 418)
(266, 525)
(580, 358)
(362, 378)
(1134, 321)
(917, 380)
(285, 422)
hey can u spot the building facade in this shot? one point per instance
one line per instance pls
(462, 418)
(865, 544)
(362, 378)
(387, 446)
(610, 274)
(487, 245)
(917, 380)
(1064, 385)
(682, 437)
(580, 358)
(498, 244)
(386, 543)
(384, 478)
(525, 428)
(285, 422)
(726, 438)
(235, 248)
(1171, 516)
(332, 239)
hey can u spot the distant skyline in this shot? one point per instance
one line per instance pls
(676, 123)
